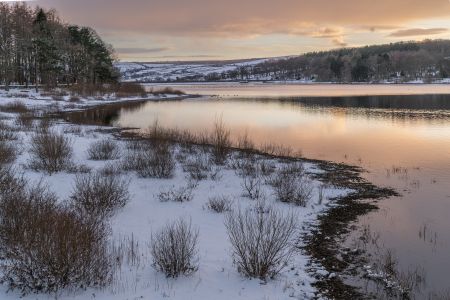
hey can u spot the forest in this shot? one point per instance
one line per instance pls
(405, 61)
(38, 49)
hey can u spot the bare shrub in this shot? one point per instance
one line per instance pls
(8, 152)
(262, 244)
(180, 194)
(153, 160)
(198, 166)
(14, 107)
(252, 187)
(74, 99)
(291, 185)
(167, 90)
(221, 142)
(219, 204)
(9, 182)
(111, 169)
(174, 249)
(50, 151)
(45, 247)
(245, 167)
(7, 133)
(25, 120)
(104, 150)
(99, 197)
(130, 89)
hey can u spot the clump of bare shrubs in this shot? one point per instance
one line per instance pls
(262, 244)
(14, 107)
(46, 247)
(197, 166)
(150, 159)
(252, 187)
(25, 120)
(180, 194)
(167, 91)
(219, 204)
(221, 142)
(98, 197)
(7, 133)
(174, 249)
(291, 184)
(104, 150)
(120, 90)
(8, 152)
(50, 151)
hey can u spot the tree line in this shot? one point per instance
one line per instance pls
(404, 61)
(38, 49)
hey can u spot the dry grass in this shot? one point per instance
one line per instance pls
(120, 90)
(174, 249)
(167, 91)
(14, 107)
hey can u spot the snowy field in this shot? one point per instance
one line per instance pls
(172, 71)
(217, 277)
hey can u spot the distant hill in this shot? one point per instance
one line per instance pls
(426, 61)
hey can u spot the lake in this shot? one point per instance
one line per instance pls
(399, 133)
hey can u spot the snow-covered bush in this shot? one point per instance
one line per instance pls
(180, 194)
(262, 243)
(7, 133)
(174, 249)
(198, 166)
(219, 204)
(153, 159)
(50, 151)
(252, 187)
(46, 247)
(104, 150)
(291, 185)
(98, 196)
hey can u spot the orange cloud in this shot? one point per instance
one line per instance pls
(245, 17)
(418, 32)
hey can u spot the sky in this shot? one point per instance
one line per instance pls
(165, 30)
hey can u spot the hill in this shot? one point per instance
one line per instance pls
(425, 61)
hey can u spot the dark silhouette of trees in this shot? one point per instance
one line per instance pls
(37, 48)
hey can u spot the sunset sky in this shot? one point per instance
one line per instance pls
(146, 30)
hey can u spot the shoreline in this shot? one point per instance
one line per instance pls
(321, 244)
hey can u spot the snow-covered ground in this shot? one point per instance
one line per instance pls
(39, 100)
(172, 71)
(217, 277)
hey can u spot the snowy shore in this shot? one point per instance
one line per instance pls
(217, 276)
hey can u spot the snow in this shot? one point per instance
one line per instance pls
(217, 277)
(38, 100)
(174, 71)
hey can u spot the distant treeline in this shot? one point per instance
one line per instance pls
(37, 48)
(428, 60)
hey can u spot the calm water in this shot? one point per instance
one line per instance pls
(404, 141)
